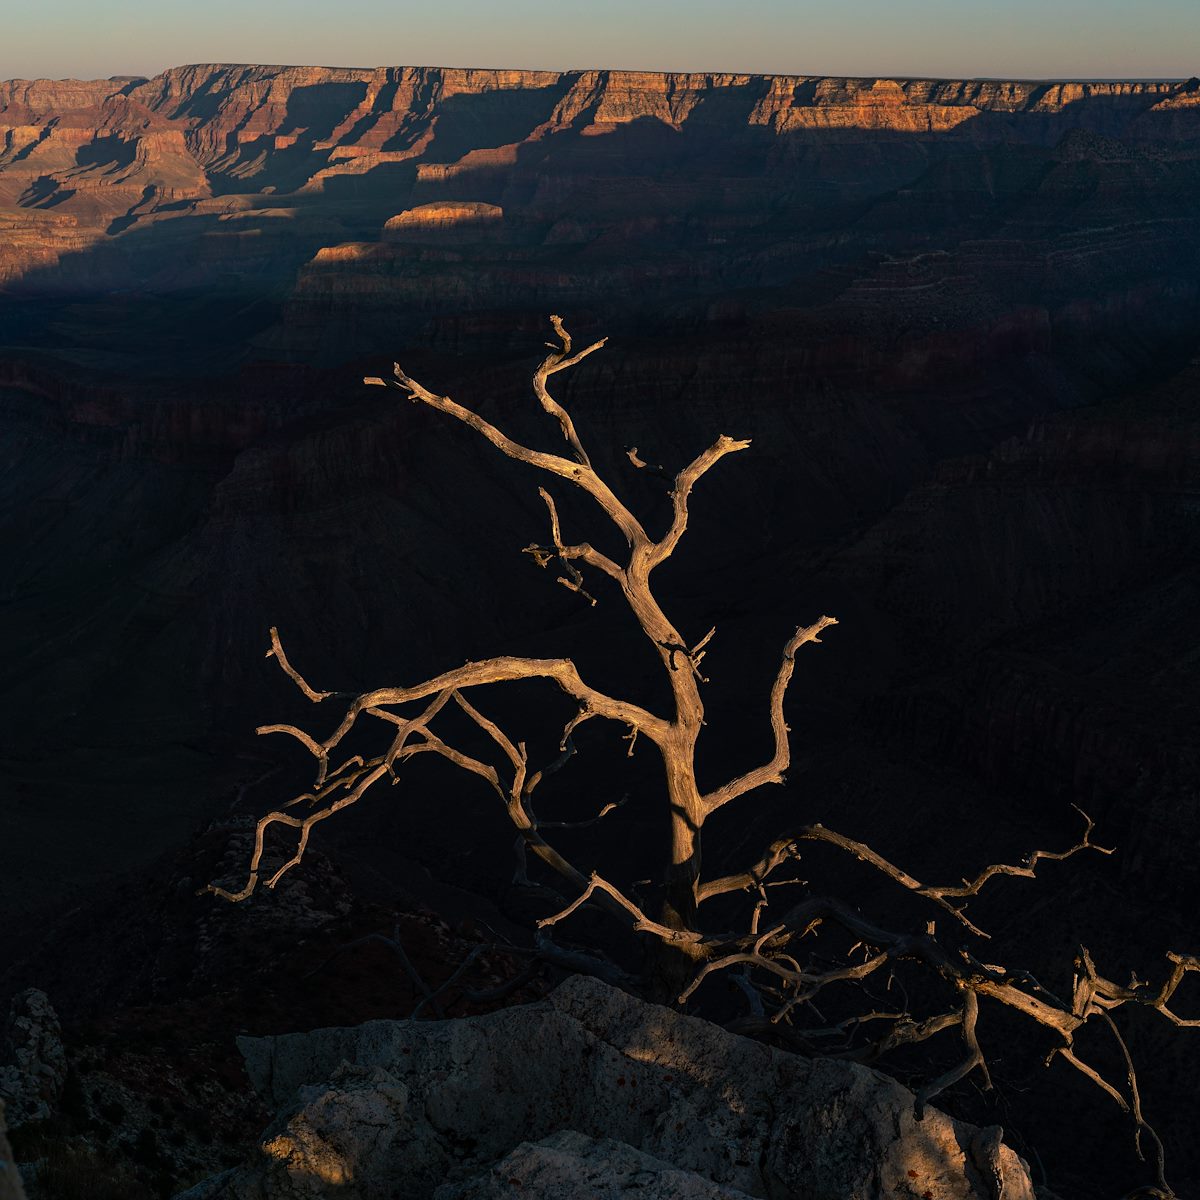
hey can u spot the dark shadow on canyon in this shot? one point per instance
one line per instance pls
(991, 483)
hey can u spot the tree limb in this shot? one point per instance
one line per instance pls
(276, 651)
(567, 555)
(560, 360)
(973, 1058)
(579, 473)
(561, 671)
(641, 922)
(1025, 870)
(785, 848)
(682, 490)
(772, 771)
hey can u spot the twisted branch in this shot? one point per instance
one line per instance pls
(784, 849)
(560, 360)
(584, 552)
(973, 1058)
(641, 922)
(277, 652)
(767, 965)
(577, 472)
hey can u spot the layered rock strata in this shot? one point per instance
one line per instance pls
(943, 312)
(98, 179)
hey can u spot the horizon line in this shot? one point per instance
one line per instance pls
(134, 77)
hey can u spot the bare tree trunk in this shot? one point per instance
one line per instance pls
(673, 965)
(687, 819)
(778, 976)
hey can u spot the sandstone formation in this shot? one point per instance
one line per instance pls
(642, 185)
(585, 1094)
(960, 321)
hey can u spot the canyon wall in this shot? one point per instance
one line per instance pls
(236, 177)
(889, 283)
(904, 290)
(960, 320)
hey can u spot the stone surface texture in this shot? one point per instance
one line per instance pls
(960, 322)
(573, 1166)
(593, 1089)
(33, 1062)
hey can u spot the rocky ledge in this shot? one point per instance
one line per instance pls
(589, 1094)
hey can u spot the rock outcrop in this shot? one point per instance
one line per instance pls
(574, 1165)
(33, 1062)
(586, 1093)
(176, 180)
(940, 310)
(10, 1178)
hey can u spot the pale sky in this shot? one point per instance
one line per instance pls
(1028, 39)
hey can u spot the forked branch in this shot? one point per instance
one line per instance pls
(682, 491)
(559, 360)
(783, 965)
(785, 849)
(641, 922)
(576, 471)
(773, 770)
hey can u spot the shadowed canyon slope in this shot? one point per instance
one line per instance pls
(960, 320)
(344, 199)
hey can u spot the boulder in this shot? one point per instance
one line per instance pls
(585, 1089)
(573, 1166)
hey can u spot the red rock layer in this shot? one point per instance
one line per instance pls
(118, 155)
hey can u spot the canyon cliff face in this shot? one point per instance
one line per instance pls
(237, 178)
(960, 320)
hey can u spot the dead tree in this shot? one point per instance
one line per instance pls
(768, 959)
